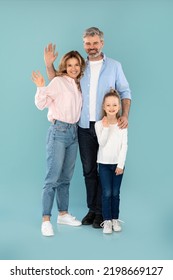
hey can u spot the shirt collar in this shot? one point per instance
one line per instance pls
(104, 58)
(69, 78)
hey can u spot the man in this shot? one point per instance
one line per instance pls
(101, 74)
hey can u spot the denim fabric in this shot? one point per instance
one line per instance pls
(88, 146)
(110, 184)
(62, 145)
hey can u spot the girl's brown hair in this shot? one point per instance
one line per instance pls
(114, 93)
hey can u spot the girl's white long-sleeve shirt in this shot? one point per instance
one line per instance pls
(112, 144)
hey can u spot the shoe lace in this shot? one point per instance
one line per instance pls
(117, 221)
(105, 223)
(72, 217)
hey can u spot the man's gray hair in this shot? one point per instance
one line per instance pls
(93, 31)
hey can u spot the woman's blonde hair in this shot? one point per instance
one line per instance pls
(114, 93)
(62, 68)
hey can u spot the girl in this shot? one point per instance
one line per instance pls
(63, 99)
(111, 158)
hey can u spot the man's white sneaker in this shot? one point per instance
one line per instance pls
(47, 229)
(68, 219)
(116, 225)
(107, 226)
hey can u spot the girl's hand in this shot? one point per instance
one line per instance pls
(105, 121)
(119, 171)
(38, 79)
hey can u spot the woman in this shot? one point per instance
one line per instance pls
(63, 99)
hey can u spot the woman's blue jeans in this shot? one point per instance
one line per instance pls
(110, 184)
(61, 147)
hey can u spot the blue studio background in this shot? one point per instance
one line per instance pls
(139, 35)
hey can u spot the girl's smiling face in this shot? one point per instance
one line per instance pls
(111, 106)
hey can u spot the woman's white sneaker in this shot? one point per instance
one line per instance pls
(47, 229)
(107, 226)
(68, 219)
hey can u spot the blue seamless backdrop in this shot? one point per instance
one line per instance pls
(139, 35)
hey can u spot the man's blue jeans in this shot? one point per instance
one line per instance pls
(110, 184)
(88, 146)
(62, 145)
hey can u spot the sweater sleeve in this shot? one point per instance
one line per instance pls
(102, 133)
(123, 150)
(46, 95)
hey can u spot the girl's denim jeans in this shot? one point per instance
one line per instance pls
(110, 184)
(61, 147)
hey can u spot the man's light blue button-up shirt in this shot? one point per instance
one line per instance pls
(111, 76)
